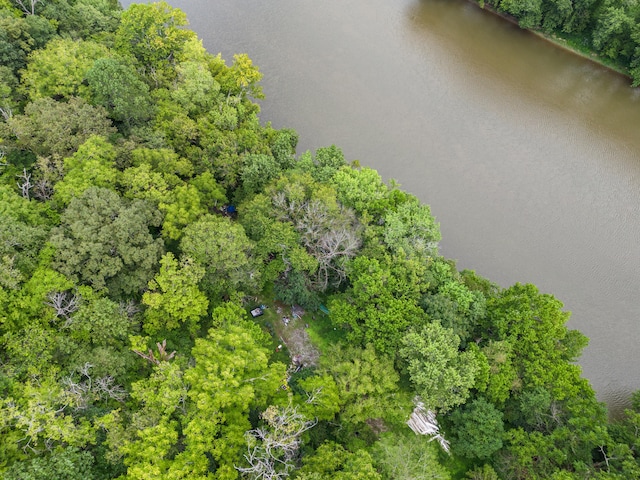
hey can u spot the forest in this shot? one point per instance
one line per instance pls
(608, 28)
(183, 295)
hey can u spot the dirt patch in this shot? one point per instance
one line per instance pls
(291, 328)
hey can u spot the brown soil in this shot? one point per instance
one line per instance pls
(292, 330)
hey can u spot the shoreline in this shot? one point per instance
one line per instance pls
(555, 41)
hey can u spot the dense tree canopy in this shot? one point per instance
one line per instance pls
(145, 211)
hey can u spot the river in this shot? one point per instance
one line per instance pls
(528, 155)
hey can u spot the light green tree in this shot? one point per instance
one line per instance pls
(408, 457)
(442, 375)
(230, 376)
(375, 308)
(92, 165)
(174, 297)
(331, 461)
(367, 384)
(60, 70)
(152, 34)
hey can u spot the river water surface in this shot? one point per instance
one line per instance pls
(529, 156)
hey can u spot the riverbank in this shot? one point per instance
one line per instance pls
(560, 42)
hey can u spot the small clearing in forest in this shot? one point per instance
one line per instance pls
(291, 327)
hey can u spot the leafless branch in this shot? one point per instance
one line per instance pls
(6, 113)
(82, 391)
(26, 184)
(42, 189)
(271, 450)
(27, 6)
(64, 304)
(163, 356)
(129, 308)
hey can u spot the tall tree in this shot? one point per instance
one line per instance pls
(116, 86)
(152, 34)
(173, 295)
(104, 241)
(60, 70)
(442, 375)
(225, 252)
(54, 128)
(477, 430)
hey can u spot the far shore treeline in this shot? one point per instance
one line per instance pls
(146, 211)
(607, 31)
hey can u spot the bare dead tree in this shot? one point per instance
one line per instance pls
(6, 113)
(106, 387)
(27, 6)
(42, 189)
(24, 183)
(129, 308)
(163, 356)
(64, 305)
(330, 236)
(82, 389)
(272, 449)
(332, 250)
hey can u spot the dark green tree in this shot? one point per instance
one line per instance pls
(104, 241)
(477, 429)
(54, 128)
(116, 86)
(225, 252)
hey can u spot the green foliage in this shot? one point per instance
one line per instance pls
(69, 463)
(363, 190)
(374, 309)
(246, 76)
(173, 295)
(196, 90)
(116, 86)
(477, 430)
(258, 171)
(332, 461)
(226, 254)
(442, 375)
(408, 457)
(36, 412)
(503, 377)
(23, 229)
(322, 398)
(536, 323)
(60, 70)
(411, 227)
(20, 36)
(152, 34)
(101, 322)
(82, 18)
(92, 165)
(181, 207)
(367, 384)
(54, 128)
(104, 241)
(528, 12)
(485, 472)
